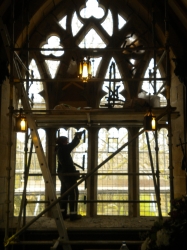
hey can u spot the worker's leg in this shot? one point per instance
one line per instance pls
(73, 198)
(63, 203)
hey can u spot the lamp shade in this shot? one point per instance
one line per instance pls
(85, 72)
(149, 122)
(21, 124)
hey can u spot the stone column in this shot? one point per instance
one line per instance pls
(92, 163)
(133, 168)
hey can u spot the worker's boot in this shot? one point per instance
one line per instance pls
(75, 217)
(65, 215)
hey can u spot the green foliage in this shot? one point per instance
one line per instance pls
(112, 208)
(169, 234)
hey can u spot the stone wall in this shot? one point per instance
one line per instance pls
(178, 130)
(5, 162)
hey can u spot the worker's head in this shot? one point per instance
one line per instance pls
(62, 140)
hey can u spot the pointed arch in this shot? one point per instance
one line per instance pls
(36, 87)
(112, 88)
(150, 89)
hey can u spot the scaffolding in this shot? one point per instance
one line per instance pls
(32, 119)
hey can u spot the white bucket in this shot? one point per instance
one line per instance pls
(142, 95)
(153, 100)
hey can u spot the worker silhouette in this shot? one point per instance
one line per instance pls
(67, 175)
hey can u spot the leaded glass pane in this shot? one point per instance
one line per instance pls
(112, 89)
(53, 67)
(150, 88)
(35, 87)
(53, 43)
(147, 187)
(79, 156)
(108, 23)
(112, 183)
(95, 64)
(121, 22)
(35, 188)
(76, 24)
(63, 22)
(92, 40)
(92, 9)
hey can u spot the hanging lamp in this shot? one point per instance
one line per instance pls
(85, 72)
(21, 122)
(149, 121)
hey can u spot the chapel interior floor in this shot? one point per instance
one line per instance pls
(99, 222)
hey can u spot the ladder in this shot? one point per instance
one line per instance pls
(51, 192)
